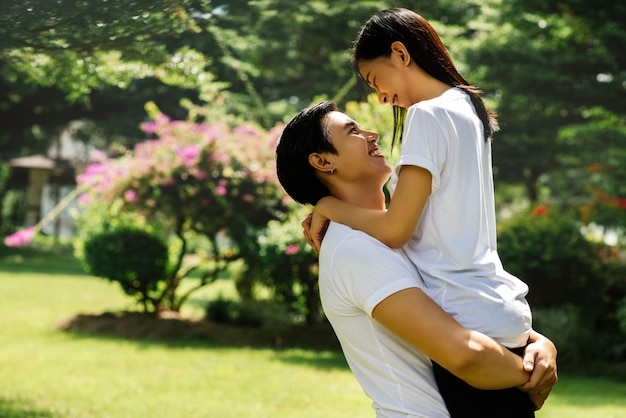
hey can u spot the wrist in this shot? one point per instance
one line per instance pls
(323, 205)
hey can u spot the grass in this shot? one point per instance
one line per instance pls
(46, 372)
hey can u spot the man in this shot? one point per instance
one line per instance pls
(373, 296)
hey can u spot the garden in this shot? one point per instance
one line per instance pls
(185, 288)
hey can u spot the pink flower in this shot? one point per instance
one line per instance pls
(84, 199)
(220, 157)
(130, 196)
(189, 154)
(292, 249)
(149, 127)
(20, 238)
(247, 197)
(220, 190)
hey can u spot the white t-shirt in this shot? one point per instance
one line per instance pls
(357, 272)
(454, 243)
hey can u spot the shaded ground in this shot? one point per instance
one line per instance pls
(138, 326)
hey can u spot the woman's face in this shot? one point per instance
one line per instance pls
(396, 79)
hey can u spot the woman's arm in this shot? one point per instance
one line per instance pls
(470, 355)
(392, 227)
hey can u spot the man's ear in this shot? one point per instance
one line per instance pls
(319, 162)
(399, 51)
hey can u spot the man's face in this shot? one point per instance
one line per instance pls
(358, 156)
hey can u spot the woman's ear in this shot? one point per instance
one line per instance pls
(319, 162)
(399, 51)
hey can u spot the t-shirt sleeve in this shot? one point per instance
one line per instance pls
(370, 271)
(424, 143)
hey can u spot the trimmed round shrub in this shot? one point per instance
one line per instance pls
(134, 258)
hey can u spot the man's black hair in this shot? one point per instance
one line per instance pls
(305, 134)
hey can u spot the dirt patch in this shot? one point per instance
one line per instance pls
(138, 326)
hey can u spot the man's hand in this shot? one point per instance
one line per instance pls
(540, 360)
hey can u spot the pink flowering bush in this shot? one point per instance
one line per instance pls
(20, 238)
(206, 187)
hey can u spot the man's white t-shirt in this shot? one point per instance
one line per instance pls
(454, 243)
(357, 272)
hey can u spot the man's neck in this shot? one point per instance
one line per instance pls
(367, 199)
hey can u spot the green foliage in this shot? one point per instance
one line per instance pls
(546, 65)
(58, 43)
(574, 292)
(571, 334)
(621, 315)
(285, 264)
(133, 258)
(548, 252)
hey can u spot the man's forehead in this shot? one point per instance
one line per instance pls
(339, 120)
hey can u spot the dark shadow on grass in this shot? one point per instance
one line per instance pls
(10, 408)
(319, 344)
(326, 360)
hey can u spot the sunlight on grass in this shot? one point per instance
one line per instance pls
(578, 397)
(48, 373)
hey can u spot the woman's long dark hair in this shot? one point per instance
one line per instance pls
(425, 48)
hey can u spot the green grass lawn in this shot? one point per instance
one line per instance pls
(46, 372)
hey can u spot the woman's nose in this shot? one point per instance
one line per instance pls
(382, 98)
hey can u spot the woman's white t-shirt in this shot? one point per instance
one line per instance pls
(454, 243)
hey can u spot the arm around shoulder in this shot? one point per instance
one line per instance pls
(392, 227)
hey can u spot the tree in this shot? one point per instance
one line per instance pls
(90, 59)
(547, 66)
(207, 187)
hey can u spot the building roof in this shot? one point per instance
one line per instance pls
(34, 161)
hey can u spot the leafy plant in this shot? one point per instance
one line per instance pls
(550, 254)
(133, 258)
(287, 265)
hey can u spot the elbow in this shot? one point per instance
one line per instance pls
(470, 367)
(396, 239)
(466, 363)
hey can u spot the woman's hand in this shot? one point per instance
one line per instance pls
(540, 360)
(314, 227)
(306, 229)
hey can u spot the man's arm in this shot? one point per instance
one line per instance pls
(540, 357)
(470, 355)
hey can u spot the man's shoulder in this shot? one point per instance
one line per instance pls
(339, 236)
(342, 243)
